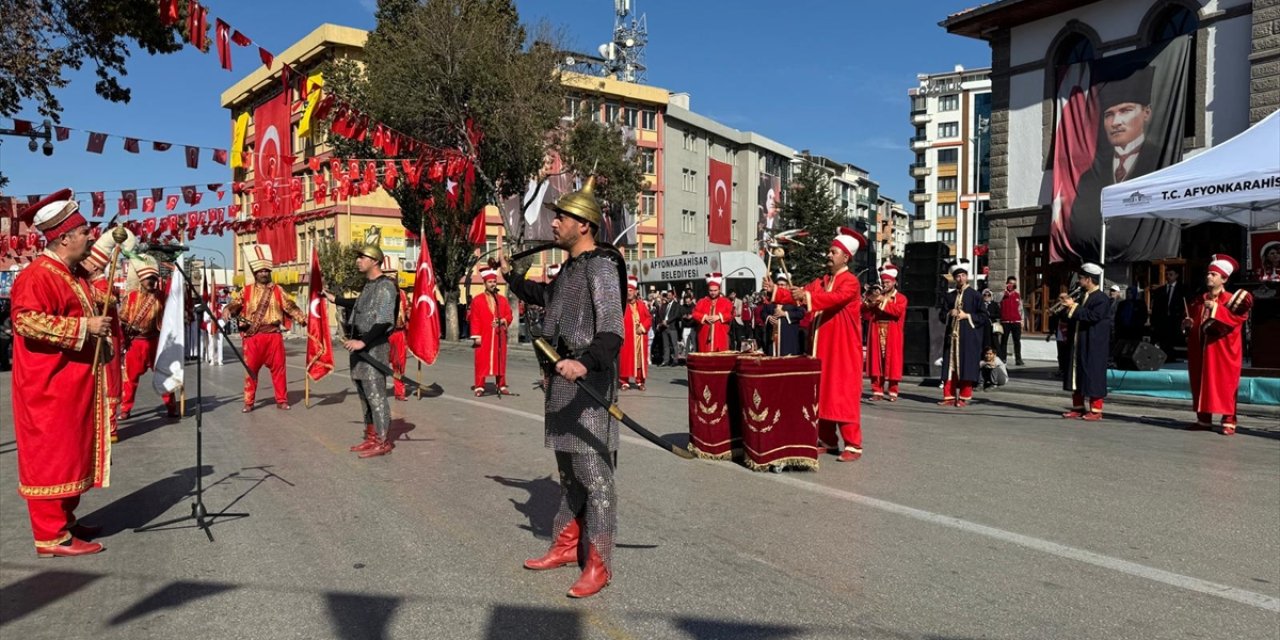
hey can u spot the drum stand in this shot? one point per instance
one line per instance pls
(199, 513)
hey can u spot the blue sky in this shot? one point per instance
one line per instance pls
(827, 76)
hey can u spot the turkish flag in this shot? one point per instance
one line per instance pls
(222, 32)
(476, 234)
(130, 198)
(148, 205)
(423, 334)
(193, 157)
(319, 339)
(171, 202)
(99, 203)
(96, 142)
(720, 205)
(131, 145)
(273, 176)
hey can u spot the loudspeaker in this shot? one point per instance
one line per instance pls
(922, 269)
(1136, 355)
(922, 341)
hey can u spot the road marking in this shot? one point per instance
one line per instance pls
(1227, 592)
(1169, 578)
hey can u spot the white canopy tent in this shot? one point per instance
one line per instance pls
(1236, 181)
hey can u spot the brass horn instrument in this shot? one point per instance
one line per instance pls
(1074, 295)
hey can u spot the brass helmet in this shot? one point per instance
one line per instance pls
(582, 204)
(372, 252)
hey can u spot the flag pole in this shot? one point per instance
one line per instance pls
(422, 246)
(182, 400)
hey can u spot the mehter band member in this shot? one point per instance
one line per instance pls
(398, 340)
(966, 317)
(262, 311)
(140, 316)
(96, 265)
(59, 401)
(712, 314)
(834, 302)
(886, 315)
(1089, 332)
(782, 318)
(584, 323)
(489, 317)
(1215, 354)
(633, 362)
(373, 316)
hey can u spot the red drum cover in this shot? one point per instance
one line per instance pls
(714, 430)
(779, 399)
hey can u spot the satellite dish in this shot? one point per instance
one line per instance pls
(570, 61)
(630, 42)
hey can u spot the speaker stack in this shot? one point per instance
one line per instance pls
(1137, 355)
(922, 283)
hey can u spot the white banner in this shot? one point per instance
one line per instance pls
(171, 350)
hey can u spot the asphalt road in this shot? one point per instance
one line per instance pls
(996, 521)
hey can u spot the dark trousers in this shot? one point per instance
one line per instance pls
(4, 353)
(670, 336)
(1011, 329)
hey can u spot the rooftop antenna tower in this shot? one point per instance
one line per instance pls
(624, 56)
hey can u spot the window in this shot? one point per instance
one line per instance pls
(688, 221)
(690, 142)
(948, 236)
(735, 193)
(948, 156)
(1076, 48)
(919, 104)
(648, 204)
(948, 129)
(648, 161)
(947, 210)
(734, 237)
(612, 112)
(574, 108)
(649, 120)
(947, 184)
(689, 180)
(920, 159)
(949, 102)
(631, 117)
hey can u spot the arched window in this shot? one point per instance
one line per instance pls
(1074, 48)
(1177, 20)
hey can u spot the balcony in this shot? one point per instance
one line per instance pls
(920, 197)
(920, 169)
(918, 142)
(920, 117)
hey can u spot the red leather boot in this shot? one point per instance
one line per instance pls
(69, 549)
(381, 447)
(563, 552)
(595, 576)
(370, 439)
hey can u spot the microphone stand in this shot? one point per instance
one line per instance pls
(199, 513)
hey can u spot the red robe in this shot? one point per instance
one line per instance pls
(399, 345)
(114, 370)
(713, 336)
(887, 322)
(491, 356)
(59, 405)
(835, 312)
(1214, 352)
(633, 360)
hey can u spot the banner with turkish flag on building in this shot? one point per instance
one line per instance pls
(319, 340)
(423, 334)
(272, 176)
(720, 203)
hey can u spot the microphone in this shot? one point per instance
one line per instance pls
(168, 248)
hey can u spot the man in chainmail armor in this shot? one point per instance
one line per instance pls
(372, 318)
(583, 321)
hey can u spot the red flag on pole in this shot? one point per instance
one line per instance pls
(476, 234)
(222, 33)
(319, 340)
(720, 204)
(423, 334)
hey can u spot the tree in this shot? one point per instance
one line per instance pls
(608, 152)
(812, 206)
(338, 264)
(41, 39)
(432, 68)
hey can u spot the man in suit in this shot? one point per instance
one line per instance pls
(1127, 153)
(669, 324)
(1168, 308)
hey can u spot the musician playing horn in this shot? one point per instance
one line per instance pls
(636, 321)
(1215, 353)
(1089, 333)
(886, 314)
(965, 315)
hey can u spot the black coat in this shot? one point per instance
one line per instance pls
(788, 329)
(1089, 333)
(966, 349)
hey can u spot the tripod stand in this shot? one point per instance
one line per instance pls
(199, 513)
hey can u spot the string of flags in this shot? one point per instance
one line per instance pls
(97, 142)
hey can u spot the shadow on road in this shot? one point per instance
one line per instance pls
(357, 616)
(706, 629)
(540, 508)
(36, 592)
(509, 622)
(171, 596)
(146, 504)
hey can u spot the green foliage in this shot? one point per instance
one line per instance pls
(812, 206)
(338, 264)
(589, 145)
(40, 41)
